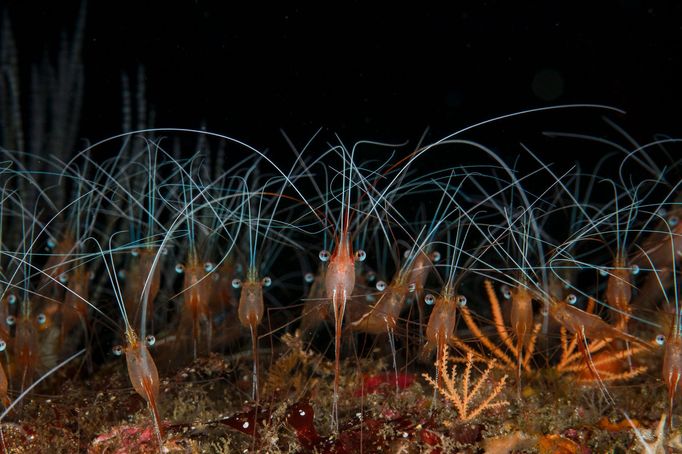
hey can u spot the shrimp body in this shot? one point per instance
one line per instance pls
(250, 312)
(143, 375)
(339, 284)
(619, 290)
(340, 277)
(521, 315)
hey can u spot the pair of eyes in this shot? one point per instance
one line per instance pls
(266, 282)
(506, 293)
(208, 267)
(461, 300)
(360, 255)
(149, 339)
(11, 320)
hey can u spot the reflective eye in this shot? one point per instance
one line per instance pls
(135, 252)
(239, 268)
(371, 276)
(603, 272)
(11, 320)
(673, 220)
(91, 275)
(571, 299)
(208, 267)
(51, 244)
(429, 299)
(635, 270)
(12, 299)
(63, 279)
(236, 283)
(435, 256)
(41, 318)
(660, 339)
(117, 350)
(412, 287)
(360, 255)
(406, 254)
(164, 251)
(121, 274)
(267, 282)
(381, 286)
(324, 255)
(179, 268)
(309, 278)
(506, 292)
(461, 300)
(150, 339)
(3, 345)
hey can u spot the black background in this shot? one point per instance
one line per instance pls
(362, 70)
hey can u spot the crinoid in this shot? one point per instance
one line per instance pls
(469, 398)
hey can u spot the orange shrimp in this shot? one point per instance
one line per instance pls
(619, 290)
(144, 376)
(196, 312)
(138, 272)
(250, 311)
(339, 284)
(521, 318)
(440, 330)
(75, 308)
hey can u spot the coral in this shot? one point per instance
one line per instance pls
(470, 398)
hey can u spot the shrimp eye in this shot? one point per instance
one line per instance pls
(208, 267)
(412, 287)
(461, 300)
(309, 278)
(11, 320)
(267, 282)
(371, 276)
(360, 255)
(236, 283)
(41, 319)
(91, 275)
(324, 255)
(571, 299)
(3, 345)
(51, 244)
(63, 278)
(121, 274)
(429, 299)
(179, 268)
(603, 272)
(164, 251)
(117, 350)
(635, 270)
(673, 220)
(660, 339)
(506, 292)
(150, 339)
(406, 254)
(381, 286)
(12, 299)
(135, 252)
(435, 257)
